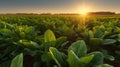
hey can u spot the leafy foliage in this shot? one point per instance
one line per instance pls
(37, 36)
(93, 59)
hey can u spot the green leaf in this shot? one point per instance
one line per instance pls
(29, 44)
(79, 48)
(98, 33)
(58, 57)
(17, 61)
(6, 32)
(111, 58)
(60, 41)
(34, 44)
(87, 59)
(73, 60)
(118, 36)
(49, 36)
(106, 55)
(106, 65)
(49, 40)
(113, 36)
(95, 41)
(91, 34)
(97, 60)
(108, 41)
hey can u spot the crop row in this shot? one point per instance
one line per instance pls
(47, 41)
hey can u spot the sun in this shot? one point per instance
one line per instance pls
(84, 11)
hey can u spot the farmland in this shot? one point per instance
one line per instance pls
(59, 41)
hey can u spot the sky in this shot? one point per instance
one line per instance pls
(58, 6)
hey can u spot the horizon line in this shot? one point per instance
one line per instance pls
(59, 12)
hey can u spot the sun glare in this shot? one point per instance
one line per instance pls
(84, 11)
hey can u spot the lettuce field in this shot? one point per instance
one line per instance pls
(59, 41)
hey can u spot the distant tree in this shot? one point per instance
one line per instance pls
(102, 13)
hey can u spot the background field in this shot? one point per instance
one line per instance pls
(26, 34)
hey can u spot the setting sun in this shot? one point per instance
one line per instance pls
(84, 11)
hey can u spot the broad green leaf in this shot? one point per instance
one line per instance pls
(49, 36)
(58, 57)
(91, 34)
(49, 39)
(108, 41)
(87, 59)
(102, 27)
(73, 60)
(17, 61)
(98, 33)
(97, 60)
(79, 48)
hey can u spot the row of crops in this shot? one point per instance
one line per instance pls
(59, 41)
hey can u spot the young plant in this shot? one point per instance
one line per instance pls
(77, 56)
